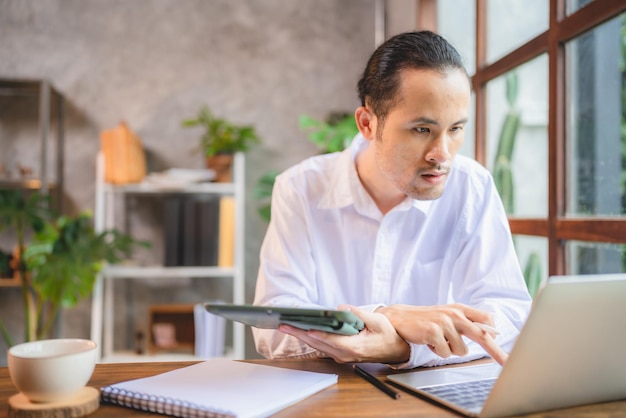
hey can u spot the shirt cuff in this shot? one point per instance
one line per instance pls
(371, 308)
(416, 352)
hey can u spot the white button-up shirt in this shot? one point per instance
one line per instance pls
(328, 244)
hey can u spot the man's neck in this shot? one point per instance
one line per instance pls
(384, 194)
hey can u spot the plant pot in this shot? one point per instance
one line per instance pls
(222, 165)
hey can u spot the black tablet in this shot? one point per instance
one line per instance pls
(338, 322)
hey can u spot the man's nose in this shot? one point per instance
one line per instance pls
(438, 151)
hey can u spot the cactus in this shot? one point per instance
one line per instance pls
(532, 273)
(503, 176)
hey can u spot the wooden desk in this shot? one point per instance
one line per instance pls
(351, 397)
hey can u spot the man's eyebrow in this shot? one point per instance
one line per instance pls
(429, 121)
(424, 119)
(461, 121)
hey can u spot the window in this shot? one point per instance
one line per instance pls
(557, 68)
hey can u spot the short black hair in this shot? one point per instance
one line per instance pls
(378, 87)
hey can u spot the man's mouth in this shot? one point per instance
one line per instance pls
(434, 177)
(435, 174)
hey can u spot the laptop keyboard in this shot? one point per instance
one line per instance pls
(468, 395)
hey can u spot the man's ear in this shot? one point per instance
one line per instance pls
(366, 122)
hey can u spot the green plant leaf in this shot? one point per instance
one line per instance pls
(220, 136)
(66, 256)
(532, 273)
(511, 88)
(332, 136)
(265, 185)
(503, 179)
(263, 193)
(17, 211)
(265, 212)
(5, 335)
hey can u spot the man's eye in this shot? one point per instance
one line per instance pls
(456, 128)
(421, 130)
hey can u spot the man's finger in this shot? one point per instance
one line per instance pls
(457, 345)
(485, 340)
(440, 346)
(493, 349)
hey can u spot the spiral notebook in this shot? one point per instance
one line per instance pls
(218, 388)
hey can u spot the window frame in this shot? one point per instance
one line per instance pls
(557, 228)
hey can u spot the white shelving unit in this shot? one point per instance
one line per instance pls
(103, 295)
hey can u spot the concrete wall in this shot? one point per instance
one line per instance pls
(153, 63)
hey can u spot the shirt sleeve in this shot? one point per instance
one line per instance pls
(286, 270)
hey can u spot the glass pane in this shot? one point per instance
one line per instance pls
(571, 6)
(595, 258)
(469, 144)
(517, 137)
(532, 253)
(512, 23)
(596, 159)
(456, 21)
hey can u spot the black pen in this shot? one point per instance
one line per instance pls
(375, 381)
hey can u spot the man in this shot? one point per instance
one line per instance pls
(396, 225)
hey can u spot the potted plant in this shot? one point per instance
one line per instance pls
(220, 140)
(59, 267)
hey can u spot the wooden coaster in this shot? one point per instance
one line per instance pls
(83, 403)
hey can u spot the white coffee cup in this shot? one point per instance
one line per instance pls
(51, 370)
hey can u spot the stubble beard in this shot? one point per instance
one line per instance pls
(412, 189)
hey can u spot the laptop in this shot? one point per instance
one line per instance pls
(568, 353)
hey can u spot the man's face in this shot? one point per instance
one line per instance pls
(423, 131)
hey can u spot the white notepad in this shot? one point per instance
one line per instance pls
(218, 387)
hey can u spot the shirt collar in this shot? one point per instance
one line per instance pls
(346, 188)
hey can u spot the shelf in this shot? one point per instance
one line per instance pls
(6, 282)
(192, 188)
(21, 87)
(103, 304)
(159, 272)
(43, 107)
(180, 319)
(26, 184)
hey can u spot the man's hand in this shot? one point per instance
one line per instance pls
(377, 342)
(441, 327)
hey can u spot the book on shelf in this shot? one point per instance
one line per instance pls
(218, 387)
(191, 230)
(209, 333)
(171, 230)
(226, 233)
(207, 232)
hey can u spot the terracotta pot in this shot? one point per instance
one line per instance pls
(222, 164)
